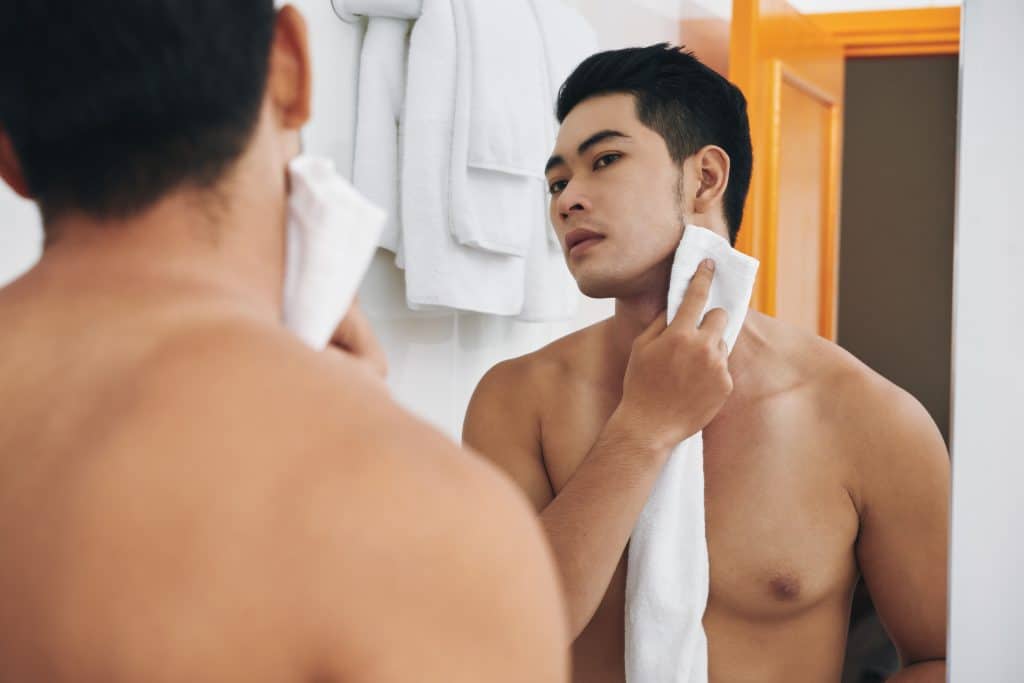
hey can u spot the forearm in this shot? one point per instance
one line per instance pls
(932, 671)
(590, 521)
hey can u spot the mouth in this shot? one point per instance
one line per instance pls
(580, 239)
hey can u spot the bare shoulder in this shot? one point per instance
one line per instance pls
(885, 434)
(539, 373)
(377, 532)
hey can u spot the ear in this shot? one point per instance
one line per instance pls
(10, 167)
(711, 165)
(289, 82)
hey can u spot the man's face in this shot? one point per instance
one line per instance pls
(616, 199)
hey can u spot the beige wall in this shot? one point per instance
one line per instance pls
(896, 246)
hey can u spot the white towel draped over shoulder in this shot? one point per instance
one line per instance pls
(668, 574)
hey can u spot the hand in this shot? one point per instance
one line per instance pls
(678, 377)
(355, 336)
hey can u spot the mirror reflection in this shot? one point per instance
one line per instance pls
(647, 378)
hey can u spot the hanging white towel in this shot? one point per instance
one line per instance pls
(381, 93)
(499, 139)
(440, 271)
(568, 39)
(668, 572)
(464, 191)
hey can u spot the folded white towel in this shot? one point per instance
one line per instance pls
(440, 271)
(668, 572)
(568, 39)
(499, 138)
(497, 264)
(332, 234)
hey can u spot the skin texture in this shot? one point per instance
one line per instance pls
(817, 469)
(187, 493)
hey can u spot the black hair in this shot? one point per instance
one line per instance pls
(110, 104)
(677, 96)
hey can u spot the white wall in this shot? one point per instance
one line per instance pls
(987, 584)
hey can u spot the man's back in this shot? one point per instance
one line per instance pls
(783, 490)
(187, 493)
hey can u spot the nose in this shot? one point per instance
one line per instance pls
(571, 200)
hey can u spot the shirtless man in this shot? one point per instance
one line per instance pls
(187, 493)
(817, 469)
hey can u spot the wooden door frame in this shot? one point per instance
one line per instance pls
(761, 78)
(828, 274)
(895, 33)
(888, 33)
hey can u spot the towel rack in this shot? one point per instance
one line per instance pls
(342, 11)
(351, 11)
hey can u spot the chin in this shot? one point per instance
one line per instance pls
(598, 285)
(621, 282)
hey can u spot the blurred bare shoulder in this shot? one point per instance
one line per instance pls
(391, 538)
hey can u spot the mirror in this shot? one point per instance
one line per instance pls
(819, 487)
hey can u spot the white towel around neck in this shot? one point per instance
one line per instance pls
(668, 572)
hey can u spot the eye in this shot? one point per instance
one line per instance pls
(606, 160)
(557, 186)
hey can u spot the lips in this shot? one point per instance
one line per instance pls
(579, 236)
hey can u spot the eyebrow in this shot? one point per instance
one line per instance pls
(594, 139)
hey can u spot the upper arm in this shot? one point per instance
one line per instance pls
(502, 425)
(436, 571)
(902, 549)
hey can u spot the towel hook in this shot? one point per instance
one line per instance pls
(342, 11)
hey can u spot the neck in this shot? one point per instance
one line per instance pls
(229, 249)
(634, 314)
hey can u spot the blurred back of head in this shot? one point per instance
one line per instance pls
(111, 104)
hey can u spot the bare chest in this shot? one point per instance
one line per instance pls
(780, 523)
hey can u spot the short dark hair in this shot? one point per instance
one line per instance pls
(110, 104)
(678, 97)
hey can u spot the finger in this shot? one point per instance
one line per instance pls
(715, 322)
(696, 297)
(355, 335)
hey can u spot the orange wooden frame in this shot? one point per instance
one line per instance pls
(761, 71)
(828, 284)
(895, 33)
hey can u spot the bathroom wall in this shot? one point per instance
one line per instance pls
(986, 592)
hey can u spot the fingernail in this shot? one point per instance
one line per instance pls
(709, 264)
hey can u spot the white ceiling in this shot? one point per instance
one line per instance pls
(689, 9)
(810, 6)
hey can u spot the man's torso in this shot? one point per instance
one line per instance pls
(781, 524)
